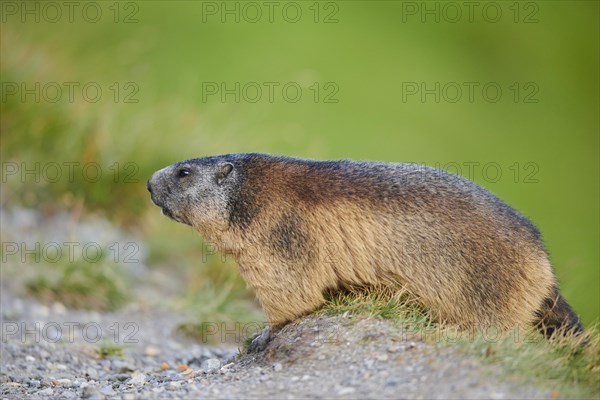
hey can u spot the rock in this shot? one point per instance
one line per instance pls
(107, 390)
(344, 391)
(382, 357)
(227, 366)
(122, 366)
(92, 373)
(177, 377)
(259, 343)
(137, 378)
(169, 374)
(211, 365)
(173, 385)
(90, 392)
(58, 308)
(34, 383)
(46, 392)
(121, 377)
(29, 359)
(152, 351)
(277, 367)
(393, 349)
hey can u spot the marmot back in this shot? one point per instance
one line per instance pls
(301, 228)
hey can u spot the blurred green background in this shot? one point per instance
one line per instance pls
(542, 133)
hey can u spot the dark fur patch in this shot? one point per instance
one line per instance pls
(243, 205)
(288, 238)
(242, 209)
(556, 314)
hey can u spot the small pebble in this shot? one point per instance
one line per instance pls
(58, 308)
(212, 364)
(121, 377)
(391, 382)
(137, 378)
(92, 373)
(63, 382)
(227, 366)
(122, 366)
(152, 351)
(346, 391)
(107, 390)
(393, 349)
(90, 392)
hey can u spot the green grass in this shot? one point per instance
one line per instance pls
(378, 303)
(82, 284)
(107, 349)
(564, 365)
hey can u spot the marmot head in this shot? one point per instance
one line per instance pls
(196, 192)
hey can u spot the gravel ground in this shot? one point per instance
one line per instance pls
(316, 358)
(326, 357)
(54, 352)
(49, 351)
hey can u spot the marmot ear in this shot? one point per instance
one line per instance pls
(224, 171)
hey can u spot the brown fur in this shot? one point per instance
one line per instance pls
(299, 229)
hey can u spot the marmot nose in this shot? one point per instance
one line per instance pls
(148, 186)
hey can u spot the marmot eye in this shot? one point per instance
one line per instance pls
(183, 172)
